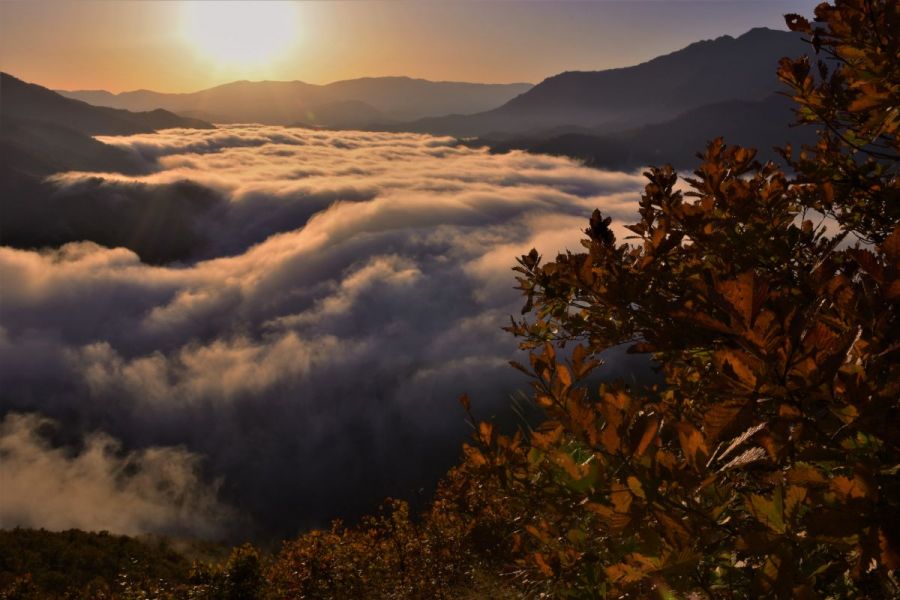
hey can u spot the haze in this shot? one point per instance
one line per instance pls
(120, 46)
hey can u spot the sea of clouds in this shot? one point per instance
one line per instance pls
(302, 359)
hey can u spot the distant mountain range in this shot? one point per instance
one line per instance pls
(343, 104)
(762, 124)
(664, 110)
(703, 73)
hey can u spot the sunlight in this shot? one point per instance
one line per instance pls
(240, 33)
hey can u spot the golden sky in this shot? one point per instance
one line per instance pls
(186, 46)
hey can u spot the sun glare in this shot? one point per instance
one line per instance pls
(240, 33)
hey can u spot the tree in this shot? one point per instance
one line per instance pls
(766, 463)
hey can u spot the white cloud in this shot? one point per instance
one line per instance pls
(354, 285)
(99, 486)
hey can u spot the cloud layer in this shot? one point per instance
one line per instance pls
(343, 289)
(95, 485)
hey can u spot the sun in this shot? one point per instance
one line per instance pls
(240, 33)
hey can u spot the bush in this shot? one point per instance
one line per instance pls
(766, 464)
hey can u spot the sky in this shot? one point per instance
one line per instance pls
(187, 46)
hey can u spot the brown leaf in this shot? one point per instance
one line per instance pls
(720, 416)
(739, 293)
(737, 365)
(674, 529)
(693, 444)
(621, 497)
(651, 426)
(846, 488)
(486, 432)
(797, 23)
(474, 455)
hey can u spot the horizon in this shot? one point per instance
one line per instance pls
(320, 44)
(396, 76)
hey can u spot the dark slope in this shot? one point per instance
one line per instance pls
(706, 72)
(21, 100)
(43, 133)
(405, 98)
(762, 124)
(39, 148)
(285, 102)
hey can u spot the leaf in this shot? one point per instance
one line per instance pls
(890, 553)
(546, 440)
(651, 426)
(674, 529)
(797, 23)
(739, 293)
(720, 416)
(565, 461)
(485, 432)
(621, 497)
(735, 364)
(793, 499)
(768, 510)
(613, 520)
(867, 101)
(474, 455)
(693, 444)
(804, 474)
(609, 437)
(891, 247)
(634, 484)
(847, 488)
(542, 564)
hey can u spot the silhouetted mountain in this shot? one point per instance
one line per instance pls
(705, 72)
(42, 133)
(39, 148)
(21, 100)
(286, 102)
(345, 114)
(761, 124)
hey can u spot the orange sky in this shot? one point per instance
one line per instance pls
(128, 45)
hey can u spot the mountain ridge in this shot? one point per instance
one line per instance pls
(701, 73)
(23, 100)
(396, 98)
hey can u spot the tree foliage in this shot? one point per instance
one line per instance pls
(766, 464)
(852, 90)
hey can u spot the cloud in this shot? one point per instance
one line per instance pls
(346, 288)
(96, 485)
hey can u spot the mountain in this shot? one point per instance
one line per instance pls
(38, 148)
(761, 124)
(21, 100)
(385, 99)
(703, 73)
(42, 133)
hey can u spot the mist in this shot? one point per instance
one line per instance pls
(300, 356)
